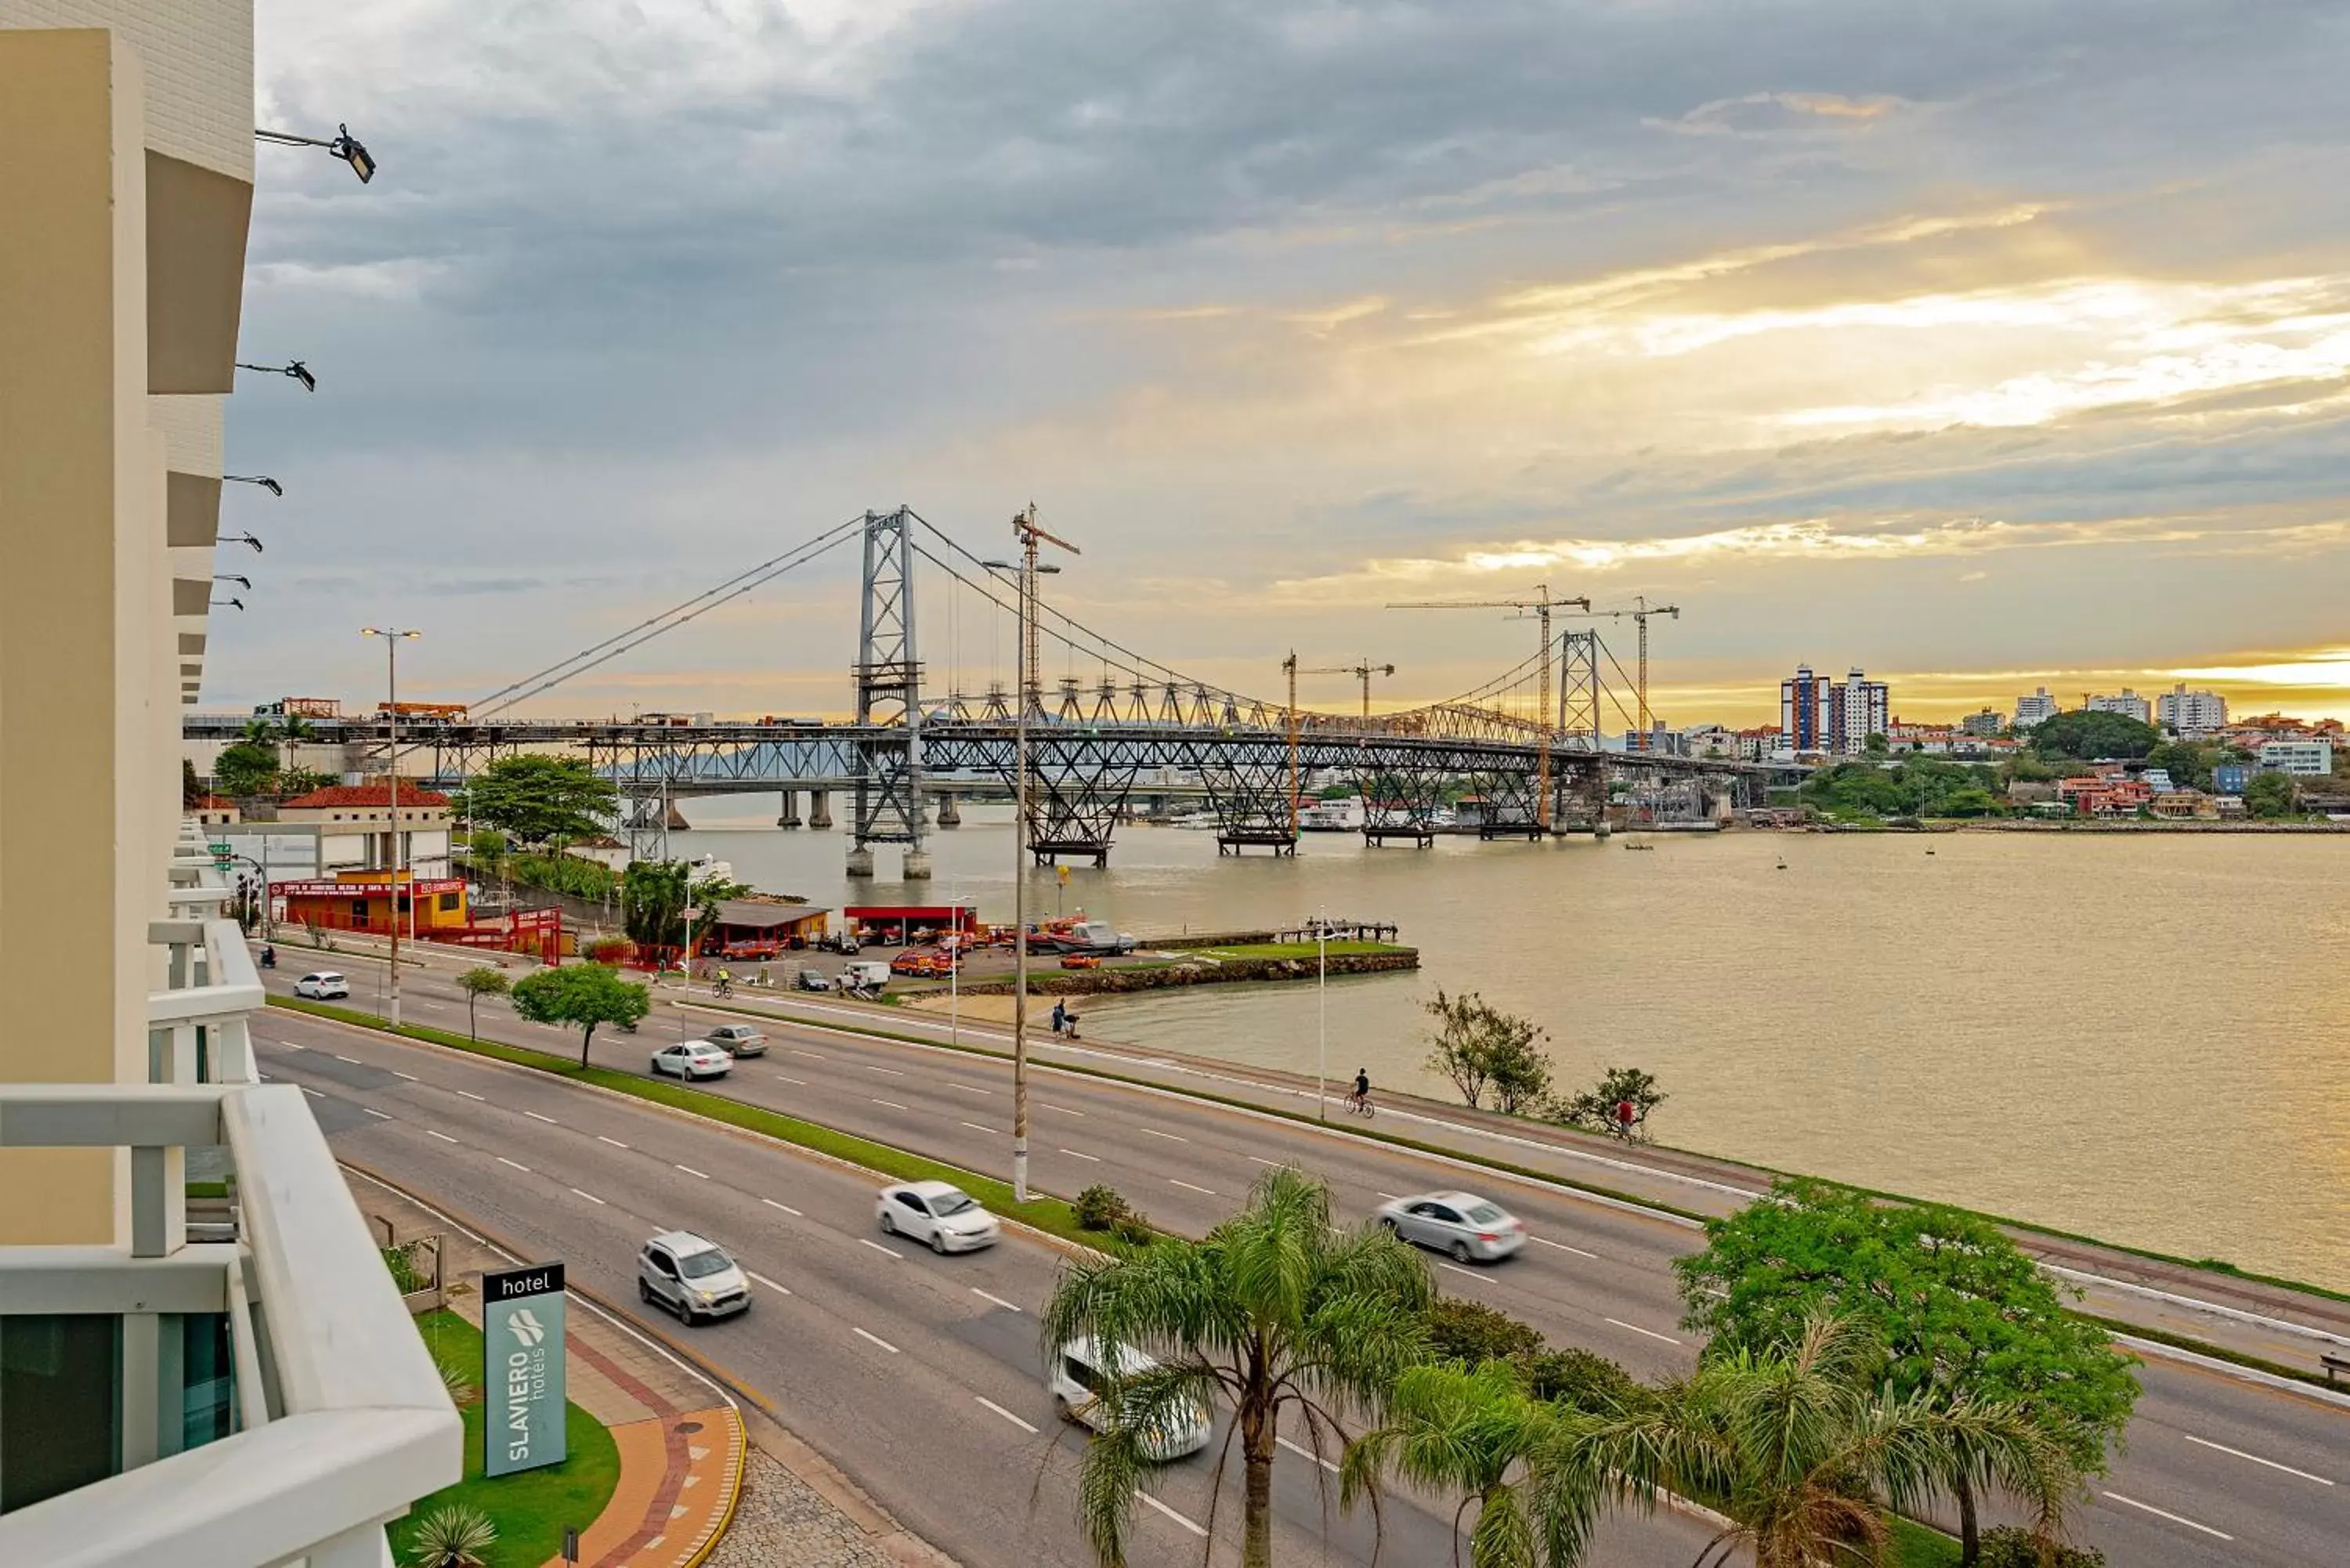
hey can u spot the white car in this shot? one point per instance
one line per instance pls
(1471, 1227)
(691, 1276)
(694, 1059)
(323, 986)
(1075, 1378)
(937, 1213)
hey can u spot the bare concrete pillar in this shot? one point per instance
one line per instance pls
(950, 810)
(917, 866)
(791, 814)
(860, 861)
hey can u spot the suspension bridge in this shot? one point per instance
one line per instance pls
(1528, 745)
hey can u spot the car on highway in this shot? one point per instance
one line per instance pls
(738, 1040)
(1471, 1229)
(1075, 1378)
(811, 980)
(691, 1276)
(694, 1059)
(325, 985)
(937, 1213)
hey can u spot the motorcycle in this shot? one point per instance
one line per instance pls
(268, 958)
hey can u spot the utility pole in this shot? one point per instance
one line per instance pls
(1542, 603)
(392, 638)
(1026, 529)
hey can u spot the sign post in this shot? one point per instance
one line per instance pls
(522, 1369)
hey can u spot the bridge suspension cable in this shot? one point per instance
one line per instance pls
(670, 620)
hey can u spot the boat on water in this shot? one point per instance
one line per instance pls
(1344, 815)
(1194, 821)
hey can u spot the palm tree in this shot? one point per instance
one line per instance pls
(1274, 1310)
(1798, 1446)
(295, 730)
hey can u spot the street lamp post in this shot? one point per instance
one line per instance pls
(1322, 1001)
(342, 145)
(392, 638)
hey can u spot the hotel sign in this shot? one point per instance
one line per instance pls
(522, 1369)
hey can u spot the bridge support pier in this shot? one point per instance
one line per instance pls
(860, 861)
(820, 809)
(917, 866)
(950, 810)
(791, 814)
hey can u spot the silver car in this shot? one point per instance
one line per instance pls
(691, 1276)
(1471, 1227)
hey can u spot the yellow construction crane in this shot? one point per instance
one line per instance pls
(1362, 673)
(1640, 612)
(1542, 603)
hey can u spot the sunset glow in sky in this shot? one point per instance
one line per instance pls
(1988, 349)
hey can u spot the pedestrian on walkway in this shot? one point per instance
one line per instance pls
(1060, 1016)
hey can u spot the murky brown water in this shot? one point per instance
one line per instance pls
(2144, 1040)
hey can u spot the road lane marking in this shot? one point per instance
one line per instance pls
(409, 1076)
(1005, 1414)
(885, 1252)
(1189, 1186)
(354, 1060)
(444, 1137)
(264, 1077)
(1546, 1241)
(380, 1116)
(785, 1207)
(2238, 1453)
(470, 1096)
(1636, 1328)
(1063, 1109)
(875, 1338)
(1390, 1196)
(779, 1290)
(974, 1127)
(999, 1301)
(2165, 1513)
(615, 1143)
(787, 1078)
(1170, 1513)
(1458, 1269)
(1073, 1154)
(314, 1094)
(967, 1089)
(1261, 1160)
(1170, 1137)
(590, 1197)
(809, 1054)
(548, 1120)
(891, 1103)
(891, 1071)
(1306, 1453)
(690, 1171)
(515, 1163)
(291, 1046)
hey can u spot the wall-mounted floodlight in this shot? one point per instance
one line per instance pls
(343, 145)
(241, 539)
(263, 480)
(232, 603)
(294, 368)
(242, 582)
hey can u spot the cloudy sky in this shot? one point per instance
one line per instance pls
(1982, 346)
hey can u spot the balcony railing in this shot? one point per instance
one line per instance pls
(338, 1418)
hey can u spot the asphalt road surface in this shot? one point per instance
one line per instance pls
(2216, 1471)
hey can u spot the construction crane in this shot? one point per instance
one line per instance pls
(1362, 673)
(1640, 612)
(1542, 603)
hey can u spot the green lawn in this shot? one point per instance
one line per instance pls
(531, 1509)
(1916, 1546)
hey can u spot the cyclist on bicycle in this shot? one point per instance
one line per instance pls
(1361, 1098)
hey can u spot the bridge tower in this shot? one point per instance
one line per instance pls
(886, 798)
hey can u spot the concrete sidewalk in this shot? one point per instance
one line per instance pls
(681, 1442)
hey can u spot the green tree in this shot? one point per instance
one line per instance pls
(486, 849)
(2271, 795)
(246, 768)
(586, 994)
(482, 980)
(1481, 1048)
(2188, 762)
(1274, 1310)
(1597, 1108)
(652, 904)
(191, 791)
(1960, 1312)
(2094, 736)
(294, 730)
(540, 799)
(1796, 1444)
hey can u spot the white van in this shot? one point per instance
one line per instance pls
(865, 974)
(1075, 1378)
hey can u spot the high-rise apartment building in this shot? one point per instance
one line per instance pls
(1805, 715)
(1984, 723)
(1863, 708)
(1816, 714)
(2036, 709)
(2191, 712)
(246, 1389)
(2126, 702)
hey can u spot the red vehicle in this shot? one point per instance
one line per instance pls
(926, 963)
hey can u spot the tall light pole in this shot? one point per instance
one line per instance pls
(392, 638)
(1321, 1001)
(1024, 528)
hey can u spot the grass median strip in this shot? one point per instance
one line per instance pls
(1048, 1214)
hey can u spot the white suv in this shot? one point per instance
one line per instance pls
(691, 1276)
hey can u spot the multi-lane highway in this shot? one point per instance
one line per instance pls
(2216, 1471)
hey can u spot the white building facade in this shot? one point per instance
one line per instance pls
(2191, 712)
(2301, 758)
(2126, 702)
(2036, 709)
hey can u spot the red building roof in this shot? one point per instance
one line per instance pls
(363, 794)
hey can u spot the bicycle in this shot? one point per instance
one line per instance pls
(723, 989)
(1360, 1106)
